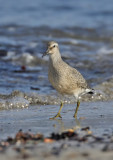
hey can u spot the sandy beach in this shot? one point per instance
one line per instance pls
(88, 137)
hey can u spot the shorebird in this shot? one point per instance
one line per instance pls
(64, 78)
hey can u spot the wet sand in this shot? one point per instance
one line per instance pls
(97, 116)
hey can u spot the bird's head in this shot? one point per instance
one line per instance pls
(52, 48)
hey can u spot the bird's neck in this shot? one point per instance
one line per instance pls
(55, 58)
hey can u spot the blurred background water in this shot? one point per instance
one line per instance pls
(84, 31)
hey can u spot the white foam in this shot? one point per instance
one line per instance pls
(9, 56)
(15, 102)
(28, 57)
(105, 51)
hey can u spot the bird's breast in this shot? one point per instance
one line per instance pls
(59, 82)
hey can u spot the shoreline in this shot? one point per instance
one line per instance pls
(97, 115)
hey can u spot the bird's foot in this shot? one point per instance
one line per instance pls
(75, 116)
(58, 115)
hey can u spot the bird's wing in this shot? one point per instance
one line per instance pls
(79, 79)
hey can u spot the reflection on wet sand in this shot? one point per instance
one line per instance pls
(63, 127)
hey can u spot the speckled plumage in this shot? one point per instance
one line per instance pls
(64, 78)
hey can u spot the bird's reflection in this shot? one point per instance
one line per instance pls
(63, 125)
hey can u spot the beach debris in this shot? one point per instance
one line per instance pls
(79, 137)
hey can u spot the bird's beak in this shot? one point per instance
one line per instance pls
(46, 53)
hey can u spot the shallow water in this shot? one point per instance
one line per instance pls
(22, 67)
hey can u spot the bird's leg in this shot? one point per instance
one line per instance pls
(78, 104)
(58, 114)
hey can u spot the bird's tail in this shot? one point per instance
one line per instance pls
(90, 91)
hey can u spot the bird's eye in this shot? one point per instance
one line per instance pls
(54, 46)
